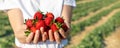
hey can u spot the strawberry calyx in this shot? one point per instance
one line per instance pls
(27, 33)
(58, 25)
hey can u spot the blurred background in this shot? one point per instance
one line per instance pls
(95, 24)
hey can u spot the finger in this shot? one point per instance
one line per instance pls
(36, 38)
(44, 37)
(30, 37)
(46, 34)
(62, 33)
(42, 30)
(57, 37)
(41, 33)
(51, 38)
(40, 36)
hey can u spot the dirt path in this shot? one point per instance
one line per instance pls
(76, 39)
(113, 41)
(91, 14)
(85, 1)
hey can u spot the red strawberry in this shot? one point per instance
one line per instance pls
(59, 19)
(47, 30)
(33, 29)
(54, 27)
(38, 15)
(50, 15)
(29, 23)
(48, 21)
(40, 24)
(64, 26)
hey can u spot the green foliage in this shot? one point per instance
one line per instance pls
(6, 33)
(96, 38)
(91, 21)
(85, 8)
(80, 26)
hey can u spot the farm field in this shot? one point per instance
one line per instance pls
(95, 24)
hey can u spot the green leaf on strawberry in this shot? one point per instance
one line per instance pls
(27, 33)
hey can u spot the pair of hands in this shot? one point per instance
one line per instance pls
(42, 36)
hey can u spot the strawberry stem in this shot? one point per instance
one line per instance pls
(27, 33)
(25, 20)
(58, 25)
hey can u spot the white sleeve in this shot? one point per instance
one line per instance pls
(70, 2)
(8, 4)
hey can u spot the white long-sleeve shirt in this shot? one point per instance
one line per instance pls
(29, 7)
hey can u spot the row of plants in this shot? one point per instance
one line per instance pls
(6, 33)
(81, 26)
(96, 38)
(84, 9)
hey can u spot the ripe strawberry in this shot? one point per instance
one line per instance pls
(50, 15)
(33, 29)
(48, 21)
(40, 24)
(29, 23)
(64, 26)
(59, 19)
(38, 15)
(47, 30)
(54, 27)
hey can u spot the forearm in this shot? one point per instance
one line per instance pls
(67, 14)
(17, 23)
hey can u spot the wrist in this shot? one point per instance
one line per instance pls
(21, 38)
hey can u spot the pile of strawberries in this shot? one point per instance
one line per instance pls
(46, 21)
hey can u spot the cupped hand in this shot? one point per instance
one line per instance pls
(58, 35)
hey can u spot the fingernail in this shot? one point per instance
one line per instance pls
(41, 27)
(37, 30)
(43, 37)
(50, 30)
(32, 33)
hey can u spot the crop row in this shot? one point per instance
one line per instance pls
(81, 26)
(6, 33)
(83, 9)
(96, 38)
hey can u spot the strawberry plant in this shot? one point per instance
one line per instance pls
(96, 38)
(84, 9)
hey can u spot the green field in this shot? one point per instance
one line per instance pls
(6, 33)
(93, 38)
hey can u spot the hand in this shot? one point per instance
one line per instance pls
(20, 35)
(33, 37)
(44, 35)
(58, 35)
(39, 35)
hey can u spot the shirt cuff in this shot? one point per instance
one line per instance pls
(70, 3)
